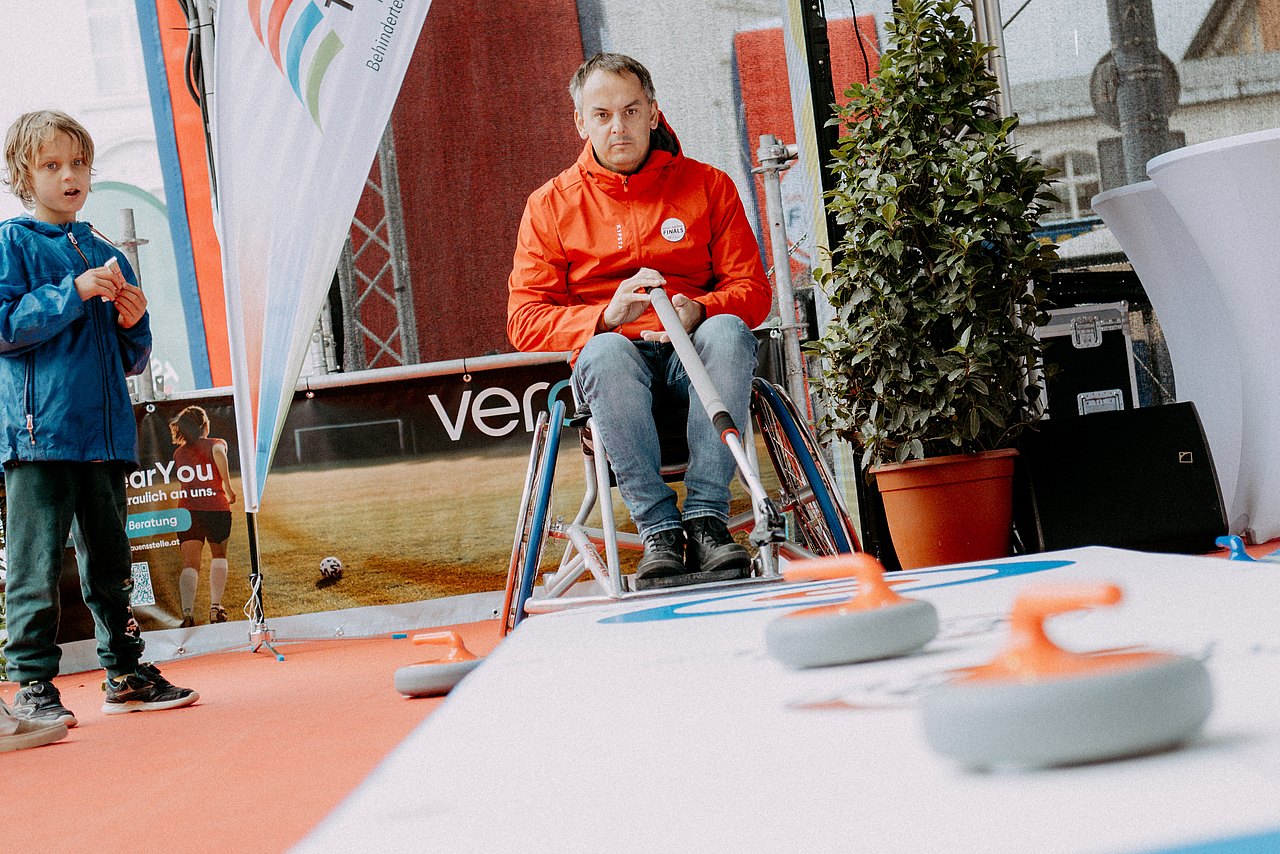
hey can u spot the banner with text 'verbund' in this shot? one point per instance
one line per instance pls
(302, 91)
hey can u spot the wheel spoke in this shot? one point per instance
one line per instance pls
(808, 491)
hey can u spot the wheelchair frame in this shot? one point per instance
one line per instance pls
(807, 491)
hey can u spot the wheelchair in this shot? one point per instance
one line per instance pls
(805, 518)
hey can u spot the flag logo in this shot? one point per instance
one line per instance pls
(296, 34)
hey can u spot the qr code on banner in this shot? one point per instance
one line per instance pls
(143, 593)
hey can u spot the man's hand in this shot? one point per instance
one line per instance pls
(131, 304)
(630, 299)
(690, 312)
(97, 282)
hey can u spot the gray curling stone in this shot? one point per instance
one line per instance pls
(433, 678)
(876, 623)
(1038, 706)
(846, 637)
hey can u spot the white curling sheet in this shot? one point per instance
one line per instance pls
(664, 726)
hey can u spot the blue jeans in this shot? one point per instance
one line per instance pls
(620, 379)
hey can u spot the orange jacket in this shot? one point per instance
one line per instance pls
(587, 229)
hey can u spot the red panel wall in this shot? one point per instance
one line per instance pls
(484, 118)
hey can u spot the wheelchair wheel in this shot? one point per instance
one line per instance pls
(808, 490)
(534, 519)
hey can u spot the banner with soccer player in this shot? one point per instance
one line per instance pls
(412, 485)
(301, 94)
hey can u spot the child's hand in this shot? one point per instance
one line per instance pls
(113, 267)
(231, 494)
(97, 282)
(131, 303)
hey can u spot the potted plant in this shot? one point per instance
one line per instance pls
(931, 359)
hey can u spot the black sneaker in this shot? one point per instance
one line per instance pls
(712, 549)
(40, 701)
(144, 691)
(663, 559)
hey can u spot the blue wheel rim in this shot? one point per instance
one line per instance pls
(801, 448)
(542, 502)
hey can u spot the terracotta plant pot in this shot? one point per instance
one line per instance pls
(949, 509)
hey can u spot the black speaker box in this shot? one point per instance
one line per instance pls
(1134, 478)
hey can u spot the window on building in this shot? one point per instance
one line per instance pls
(1077, 184)
(113, 44)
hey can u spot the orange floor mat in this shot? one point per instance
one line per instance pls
(268, 751)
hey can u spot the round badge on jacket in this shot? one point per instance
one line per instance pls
(673, 230)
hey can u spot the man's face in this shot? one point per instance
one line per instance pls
(60, 179)
(617, 118)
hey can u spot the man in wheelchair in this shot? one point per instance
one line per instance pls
(630, 214)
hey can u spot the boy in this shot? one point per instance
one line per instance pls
(71, 328)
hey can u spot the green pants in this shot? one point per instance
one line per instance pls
(44, 500)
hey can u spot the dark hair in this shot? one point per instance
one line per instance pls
(190, 425)
(616, 63)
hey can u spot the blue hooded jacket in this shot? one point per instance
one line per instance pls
(63, 360)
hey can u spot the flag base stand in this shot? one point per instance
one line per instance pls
(260, 635)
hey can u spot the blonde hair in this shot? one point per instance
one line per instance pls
(23, 141)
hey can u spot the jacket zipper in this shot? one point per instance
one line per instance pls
(102, 358)
(635, 226)
(31, 397)
(76, 243)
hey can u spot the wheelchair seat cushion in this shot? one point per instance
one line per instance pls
(672, 420)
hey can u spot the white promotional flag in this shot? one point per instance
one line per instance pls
(302, 91)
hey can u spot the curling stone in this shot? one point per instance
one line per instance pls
(1038, 705)
(438, 676)
(875, 623)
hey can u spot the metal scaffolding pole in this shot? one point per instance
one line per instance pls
(775, 157)
(361, 280)
(988, 28)
(129, 244)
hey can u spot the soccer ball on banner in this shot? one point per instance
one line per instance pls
(331, 568)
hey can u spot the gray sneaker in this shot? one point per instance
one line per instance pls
(144, 690)
(40, 701)
(19, 733)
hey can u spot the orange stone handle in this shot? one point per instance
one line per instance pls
(456, 651)
(873, 592)
(1030, 656)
